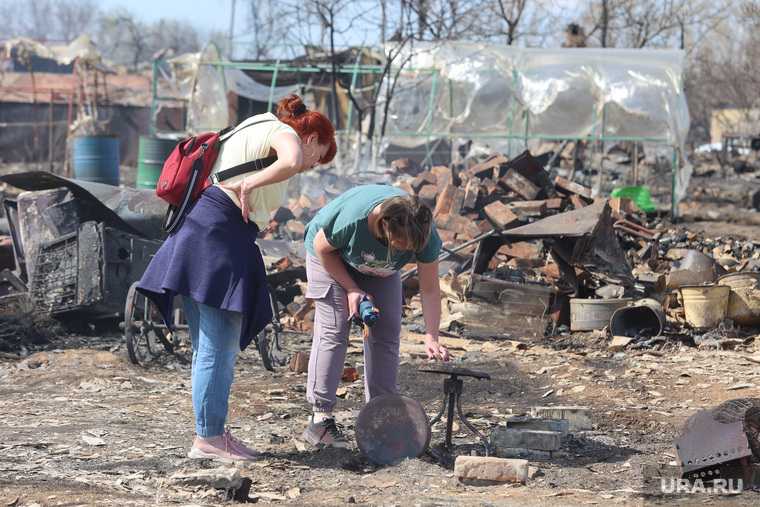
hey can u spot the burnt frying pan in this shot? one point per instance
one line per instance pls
(392, 427)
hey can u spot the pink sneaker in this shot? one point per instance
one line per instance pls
(239, 446)
(223, 449)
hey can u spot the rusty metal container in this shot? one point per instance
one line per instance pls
(645, 317)
(704, 306)
(744, 297)
(592, 314)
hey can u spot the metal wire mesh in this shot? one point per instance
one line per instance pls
(54, 283)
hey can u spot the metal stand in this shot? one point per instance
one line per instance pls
(452, 391)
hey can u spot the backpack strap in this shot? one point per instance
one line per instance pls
(175, 213)
(251, 165)
(245, 167)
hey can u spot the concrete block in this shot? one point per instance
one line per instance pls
(542, 424)
(528, 439)
(479, 470)
(579, 417)
(516, 452)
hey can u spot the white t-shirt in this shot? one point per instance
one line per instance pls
(252, 143)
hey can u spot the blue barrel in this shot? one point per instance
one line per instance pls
(96, 158)
(151, 156)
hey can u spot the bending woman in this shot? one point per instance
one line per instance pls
(212, 260)
(356, 245)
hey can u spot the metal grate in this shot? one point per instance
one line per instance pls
(54, 283)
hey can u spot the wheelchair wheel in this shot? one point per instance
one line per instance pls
(268, 340)
(140, 334)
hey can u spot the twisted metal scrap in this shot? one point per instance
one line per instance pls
(746, 410)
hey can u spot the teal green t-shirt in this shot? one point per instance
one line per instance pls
(344, 221)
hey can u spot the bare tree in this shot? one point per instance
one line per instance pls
(48, 19)
(647, 23)
(510, 11)
(437, 20)
(127, 41)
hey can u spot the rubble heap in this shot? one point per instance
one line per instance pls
(521, 247)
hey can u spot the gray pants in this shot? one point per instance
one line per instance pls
(331, 332)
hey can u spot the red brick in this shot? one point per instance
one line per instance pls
(526, 263)
(519, 184)
(406, 187)
(405, 166)
(424, 178)
(307, 324)
(458, 201)
(299, 307)
(484, 226)
(457, 223)
(625, 205)
(576, 201)
(443, 175)
(446, 236)
(485, 168)
(428, 194)
(299, 363)
(309, 203)
(572, 187)
(445, 197)
(471, 192)
(528, 208)
(501, 215)
(527, 165)
(556, 203)
(490, 187)
(521, 250)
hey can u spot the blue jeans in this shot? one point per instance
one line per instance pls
(215, 335)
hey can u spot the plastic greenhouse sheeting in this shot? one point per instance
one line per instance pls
(486, 92)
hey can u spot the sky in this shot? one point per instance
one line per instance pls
(205, 15)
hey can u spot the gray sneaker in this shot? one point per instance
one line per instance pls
(326, 433)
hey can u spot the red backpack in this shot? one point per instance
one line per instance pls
(186, 172)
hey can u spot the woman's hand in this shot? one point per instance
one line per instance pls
(287, 147)
(435, 350)
(354, 296)
(242, 195)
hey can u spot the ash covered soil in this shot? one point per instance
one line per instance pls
(81, 425)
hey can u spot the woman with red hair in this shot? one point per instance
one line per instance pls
(213, 262)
